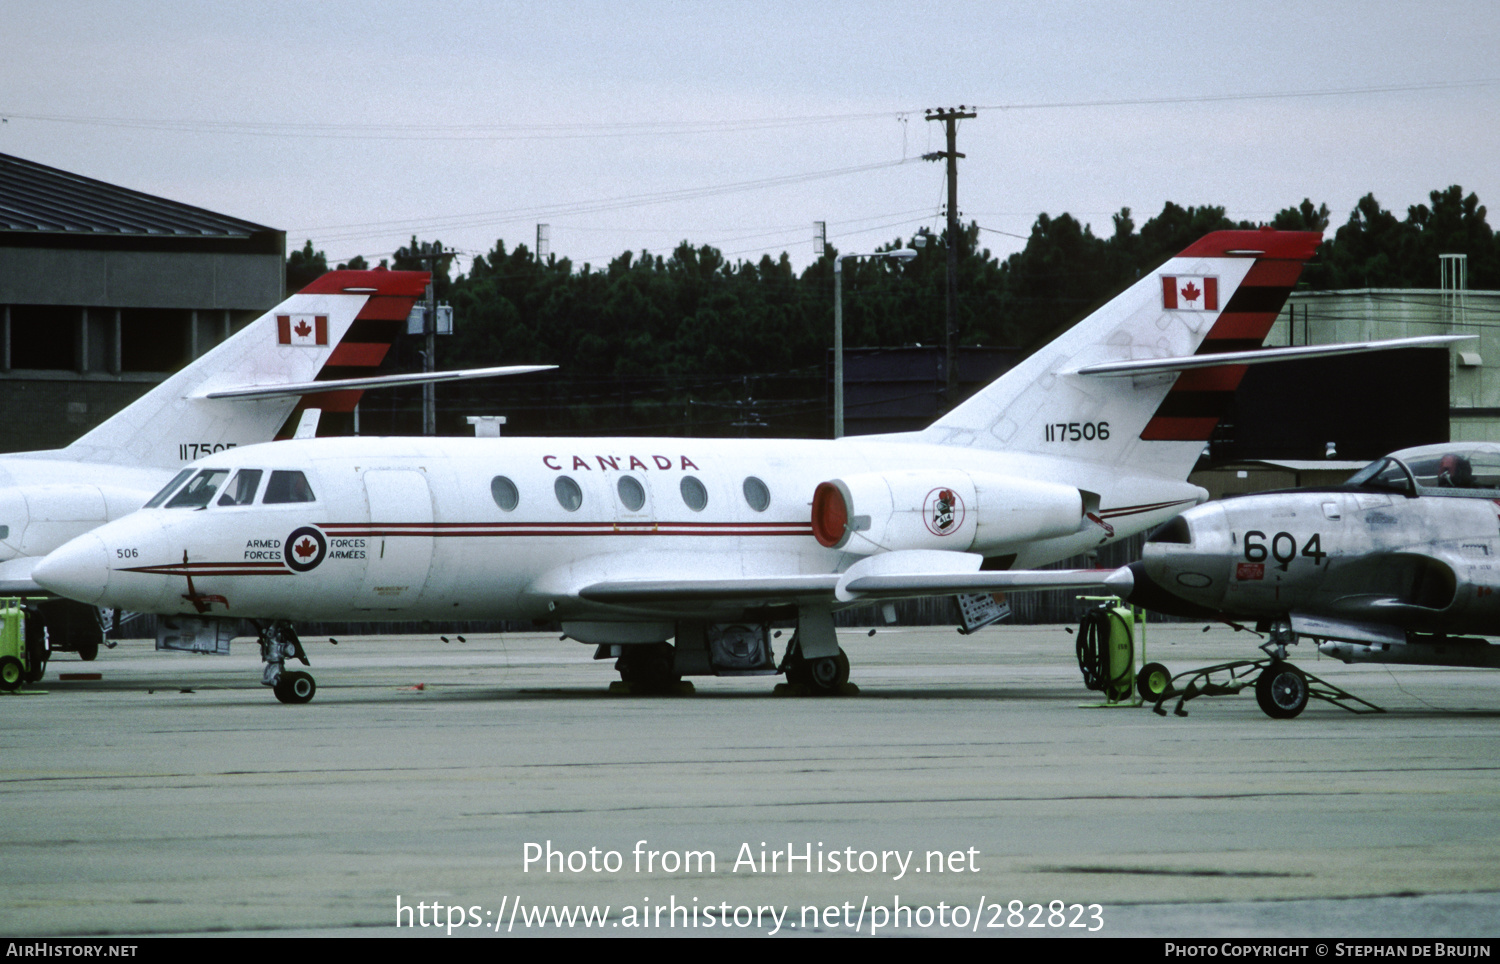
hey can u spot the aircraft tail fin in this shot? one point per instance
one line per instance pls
(339, 326)
(1221, 294)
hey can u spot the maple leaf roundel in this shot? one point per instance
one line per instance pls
(304, 549)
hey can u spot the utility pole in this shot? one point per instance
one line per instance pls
(950, 119)
(431, 255)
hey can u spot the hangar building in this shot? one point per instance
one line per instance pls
(104, 291)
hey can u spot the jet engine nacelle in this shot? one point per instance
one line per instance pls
(940, 509)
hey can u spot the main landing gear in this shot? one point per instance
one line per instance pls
(813, 663)
(649, 668)
(279, 642)
(820, 676)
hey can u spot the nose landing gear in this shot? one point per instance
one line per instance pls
(278, 642)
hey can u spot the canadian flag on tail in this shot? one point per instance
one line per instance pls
(1190, 292)
(304, 331)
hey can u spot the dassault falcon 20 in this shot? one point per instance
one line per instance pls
(316, 350)
(629, 543)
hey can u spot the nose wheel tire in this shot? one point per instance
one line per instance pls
(295, 687)
(1281, 690)
(1152, 682)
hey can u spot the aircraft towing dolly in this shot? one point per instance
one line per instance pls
(1282, 689)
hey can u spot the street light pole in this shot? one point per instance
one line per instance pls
(900, 254)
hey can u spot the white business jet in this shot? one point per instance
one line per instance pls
(308, 348)
(629, 543)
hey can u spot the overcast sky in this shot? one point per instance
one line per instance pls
(359, 124)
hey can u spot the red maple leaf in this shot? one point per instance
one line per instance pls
(303, 329)
(1190, 293)
(305, 548)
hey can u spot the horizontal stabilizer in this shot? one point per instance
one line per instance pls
(1148, 366)
(374, 381)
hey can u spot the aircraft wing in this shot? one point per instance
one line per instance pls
(644, 591)
(374, 381)
(897, 586)
(892, 575)
(1149, 366)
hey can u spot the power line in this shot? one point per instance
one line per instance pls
(482, 218)
(1265, 95)
(451, 132)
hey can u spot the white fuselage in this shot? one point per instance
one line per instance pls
(404, 529)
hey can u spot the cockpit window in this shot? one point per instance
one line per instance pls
(288, 486)
(1457, 472)
(241, 489)
(1386, 475)
(197, 493)
(168, 489)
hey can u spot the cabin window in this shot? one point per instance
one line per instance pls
(241, 488)
(168, 489)
(693, 493)
(569, 495)
(757, 496)
(288, 486)
(195, 494)
(632, 496)
(504, 492)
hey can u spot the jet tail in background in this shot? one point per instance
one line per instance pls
(1221, 294)
(341, 325)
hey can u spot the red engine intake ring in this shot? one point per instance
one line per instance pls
(830, 516)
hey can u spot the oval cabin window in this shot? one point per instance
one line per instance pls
(693, 493)
(504, 492)
(632, 496)
(757, 496)
(569, 495)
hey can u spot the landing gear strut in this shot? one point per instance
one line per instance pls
(279, 642)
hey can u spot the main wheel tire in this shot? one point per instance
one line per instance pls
(36, 672)
(295, 687)
(1281, 690)
(1152, 681)
(827, 674)
(11, 673)
(649, 668)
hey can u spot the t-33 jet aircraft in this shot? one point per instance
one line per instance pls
(1401, 564)
(316, 350)
(629, 543)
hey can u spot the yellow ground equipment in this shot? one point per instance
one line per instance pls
(1106, 649)
(23, 649)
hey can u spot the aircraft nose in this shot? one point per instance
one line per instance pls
(77, 569)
